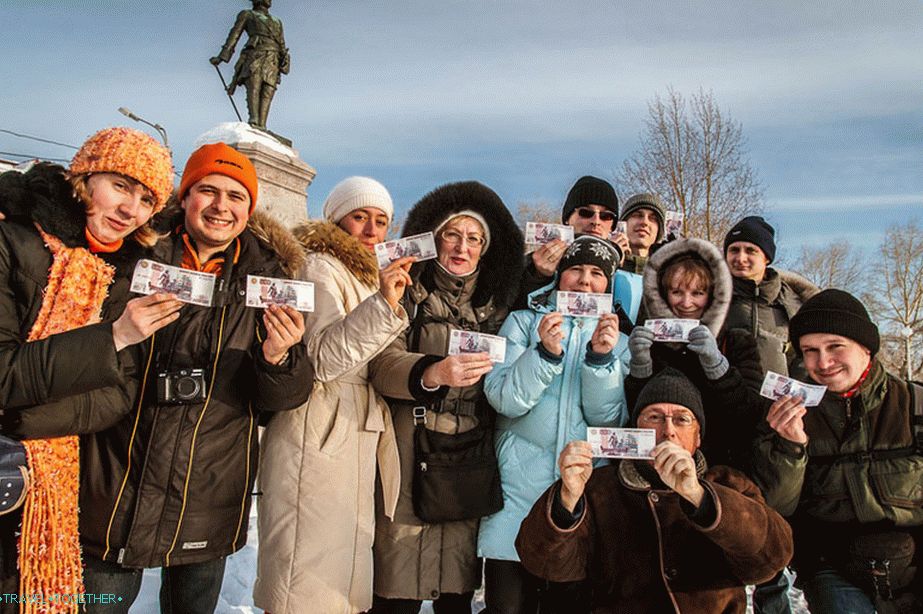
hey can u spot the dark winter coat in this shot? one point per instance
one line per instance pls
(731, 402)
(171, 484)
(859, 473)
(36, 376)
(415, 559)
(764, 310)
(48, 387)
(642, 553)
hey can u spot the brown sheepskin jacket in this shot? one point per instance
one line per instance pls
(642, 552)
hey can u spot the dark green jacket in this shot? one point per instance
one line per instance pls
(764, 310)
(634, 264)
(853, 476)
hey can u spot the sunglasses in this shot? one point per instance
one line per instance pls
(587, 214)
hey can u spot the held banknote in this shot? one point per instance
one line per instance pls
(188, 286)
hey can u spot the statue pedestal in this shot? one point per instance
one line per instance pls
(284, 177)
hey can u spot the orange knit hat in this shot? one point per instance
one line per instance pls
(131, 153)
(221, 159)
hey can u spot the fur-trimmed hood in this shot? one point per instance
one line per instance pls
(328, 238)
(268, 232)
(802, 286)
(655, 303)
(502, 265)
(45, 196)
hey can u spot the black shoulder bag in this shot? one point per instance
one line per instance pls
(455, 475)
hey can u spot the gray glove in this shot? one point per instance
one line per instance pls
(639, 344)
(703, 343)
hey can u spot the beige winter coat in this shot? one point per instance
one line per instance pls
(413, 559)
(317, 473)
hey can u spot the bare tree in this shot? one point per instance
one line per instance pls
(835, 265)
(896, 294)
(694, 156)
(537, 211)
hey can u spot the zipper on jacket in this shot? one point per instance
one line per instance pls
(848, 410)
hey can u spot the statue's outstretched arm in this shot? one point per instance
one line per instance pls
(227, 51)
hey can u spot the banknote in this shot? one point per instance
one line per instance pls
(621, 443)
(188, 286)
(539, 233)
(776, 386)
(266, 291)
(587, 304)
(470, 342)
(421, 247)
(673, 224)
(671, 329)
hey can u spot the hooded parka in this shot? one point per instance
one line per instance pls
(317, 475)
(542, 404)
(414, 559)
(171, 484)
(731, 402)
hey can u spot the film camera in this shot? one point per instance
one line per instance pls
(181, 387)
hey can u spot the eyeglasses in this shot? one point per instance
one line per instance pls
(587, 214)
(680, 421)
(453, 237)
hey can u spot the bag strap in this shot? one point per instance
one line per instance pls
(916, 426)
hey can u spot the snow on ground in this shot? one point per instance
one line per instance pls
(240, 573)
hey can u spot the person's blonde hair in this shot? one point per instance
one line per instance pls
(144, 234)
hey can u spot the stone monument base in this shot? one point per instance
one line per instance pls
(284, 177)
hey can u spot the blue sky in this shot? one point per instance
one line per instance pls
(524, 95)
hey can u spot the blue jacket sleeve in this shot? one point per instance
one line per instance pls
(515, 386)
(603, 392)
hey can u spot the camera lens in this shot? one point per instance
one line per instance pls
(186, 387)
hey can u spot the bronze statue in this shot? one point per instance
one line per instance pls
(262, 61)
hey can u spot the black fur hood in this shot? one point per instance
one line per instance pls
(501, 267)
(654, 302)
(44, 195)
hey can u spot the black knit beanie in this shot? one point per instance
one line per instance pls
(587, 249)
(647, 201)
(837, 313)
(753, 229)
(670, 386)
(590, 191)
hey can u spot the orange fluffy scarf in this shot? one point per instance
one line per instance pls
(49, 547)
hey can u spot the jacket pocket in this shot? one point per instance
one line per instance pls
(899, 482)
(327, 426)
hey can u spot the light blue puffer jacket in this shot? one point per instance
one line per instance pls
(541, 406)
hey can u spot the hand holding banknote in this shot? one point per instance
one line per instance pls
(606, 334)
(394, 278)
(576, 466)
(550, 333)
(284, 328)
(457, 371)
(143, 317)
(675, 466)
(547, 257)
(786, 417)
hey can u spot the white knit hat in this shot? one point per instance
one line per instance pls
(356, 193)
(474, 215)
